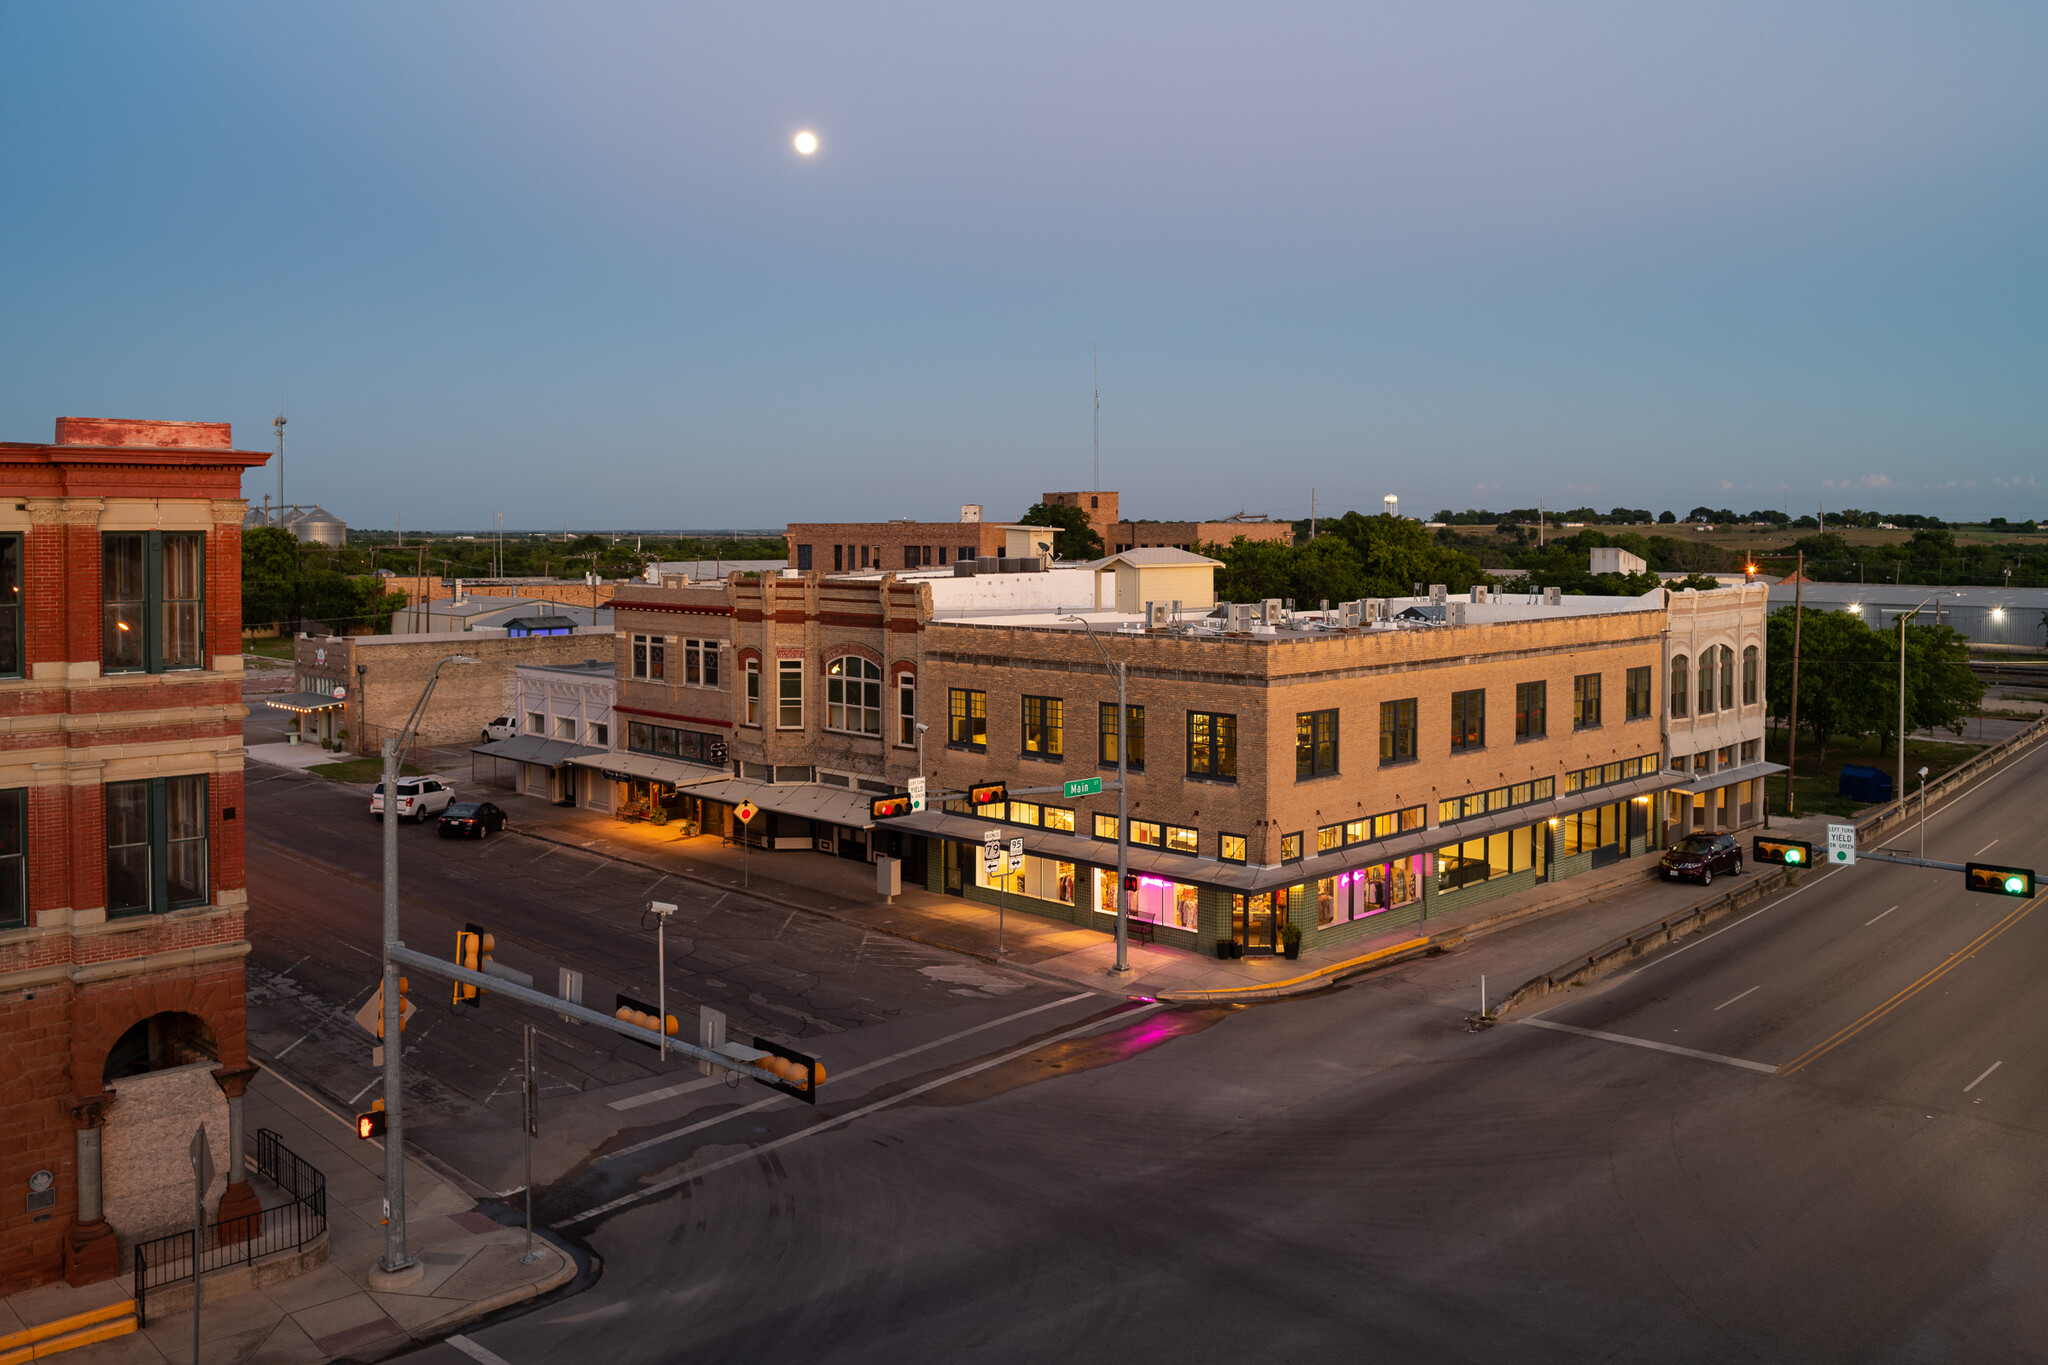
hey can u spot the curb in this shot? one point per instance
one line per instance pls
(485, 1307)
(1321, 977)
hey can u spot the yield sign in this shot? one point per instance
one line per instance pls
(745, 812)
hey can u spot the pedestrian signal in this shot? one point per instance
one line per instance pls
(1790, 852)
(1999, 881)
(371, 1125)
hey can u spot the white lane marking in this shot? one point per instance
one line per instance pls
(1726, 1003)
(481, 1354)
(1980, 1080)
(1980, 852)
(292, 1044)
(685, 1177)
(1766, 1067)
(1666, 957)
(1867, 923)
(366, 1089)
(670, 1091)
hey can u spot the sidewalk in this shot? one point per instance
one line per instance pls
(1038, 946)
(470, 1263)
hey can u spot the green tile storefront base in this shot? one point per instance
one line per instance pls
(1335, 935)
(1485, 891)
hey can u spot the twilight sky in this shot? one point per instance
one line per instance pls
(560, 261)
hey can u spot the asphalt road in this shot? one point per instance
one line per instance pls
(1845, 1163)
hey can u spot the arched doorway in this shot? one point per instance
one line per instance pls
(159, 1043)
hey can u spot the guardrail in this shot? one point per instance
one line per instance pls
(1906, 809)
(165, 1261)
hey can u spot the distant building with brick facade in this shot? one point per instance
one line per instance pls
(1118, 535)
(121, 879)
(870, 546)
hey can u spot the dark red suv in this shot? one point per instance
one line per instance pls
(1698, 857)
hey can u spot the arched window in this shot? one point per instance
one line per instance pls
(1749, 676)
(1727, 678)
(853, 695)
(1679, 684)
(159, 1043)
(1705, 666)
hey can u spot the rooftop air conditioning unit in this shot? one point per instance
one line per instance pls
(1269, 611)
(1437, 593)
(1481, 596)
(1553, 597)
(1378, 610)
(1241, 617)
(988, 564)
(1454, 613)
(1158, 615)
(1350, 614)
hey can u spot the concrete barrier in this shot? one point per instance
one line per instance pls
(1894, 815)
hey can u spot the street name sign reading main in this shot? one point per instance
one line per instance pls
(1084, 786)
(1842, 845)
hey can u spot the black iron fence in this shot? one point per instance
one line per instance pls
(164, 1261)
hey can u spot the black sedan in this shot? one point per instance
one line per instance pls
(1697, 857)
(471, 818)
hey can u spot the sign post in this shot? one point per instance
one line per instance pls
(744, 812)
(202, 1176)
(1841, 845)
(992, 864)
(1016, 864)
(529, 1095)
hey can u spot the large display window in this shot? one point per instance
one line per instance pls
(1045, 879)
(1173, 904)
(1373, 890)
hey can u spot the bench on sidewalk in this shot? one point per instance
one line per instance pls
(1139, 930)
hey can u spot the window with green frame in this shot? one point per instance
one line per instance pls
(1212, 745)
(10, 607)
(1044, 726)
(13, 858)
(1315, 744)
(1106, 731)
(967, 718)
(156, 844)
(152, 601)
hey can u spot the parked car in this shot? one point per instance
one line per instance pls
(418, 797)
(501, 728)
(472, 819)
(1697, 857)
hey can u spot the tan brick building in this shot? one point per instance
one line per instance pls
(874, 546)
(121, 878)
(1104, 516)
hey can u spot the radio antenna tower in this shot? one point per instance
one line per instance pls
(1095, 362)
(278, 422)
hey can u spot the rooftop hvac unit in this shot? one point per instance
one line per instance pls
(1241, 614)
(1350, 614)
(1481, 596)
(964, 569)
(1437, 592)
(1269, 611)
(987, 564)
(1158, 615)
(1454, 613)
(1378, 609)
(1553, 597)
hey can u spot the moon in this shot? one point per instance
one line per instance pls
(805, 142)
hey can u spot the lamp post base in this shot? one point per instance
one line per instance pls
(411, 1273)
(1121, 971)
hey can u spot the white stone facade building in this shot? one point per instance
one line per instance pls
(1714, 648)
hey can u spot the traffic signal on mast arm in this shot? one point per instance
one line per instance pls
(404, 1008)
(1790, 852)
(1999, 881)
(371, 1125)
(472, 946)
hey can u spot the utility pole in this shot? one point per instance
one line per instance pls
(1095, 363)
(278, 423)
(1123, 824)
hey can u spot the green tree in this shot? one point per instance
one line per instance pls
(1841, 670)
(1941, 692)
(1254, 570)
(1077, 539)
(1397, 553)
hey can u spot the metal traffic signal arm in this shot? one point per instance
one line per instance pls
(732, 1061)
(1986, 877)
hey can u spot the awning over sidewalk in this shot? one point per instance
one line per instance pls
(536, 749)
(1230, 876)
(303, 703)
(805, 801)
(621, 766)
(1707, 782)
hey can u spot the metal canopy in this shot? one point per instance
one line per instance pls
(536, 749)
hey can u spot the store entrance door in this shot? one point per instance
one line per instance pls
(954, 880)
(1254, 925)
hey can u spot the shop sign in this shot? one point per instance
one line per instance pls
(716, 751)
(618, 776)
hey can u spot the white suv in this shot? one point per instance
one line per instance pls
(418, 797)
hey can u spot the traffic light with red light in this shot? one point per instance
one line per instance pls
(889, 807)
(1790, 852)
(371, 1125)
(1999, 881)
(988, 793)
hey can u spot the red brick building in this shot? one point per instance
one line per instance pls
(121, 879)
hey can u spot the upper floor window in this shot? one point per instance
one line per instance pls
(565, 727)
(753, 691)
(1212, 745)
(1315, 744)
(803, 557)
(1585, 701)
(13, 858)
(1704, 666)
(156, 844)
(1727, 678)
(1044, 726)
(1638, 693)
(600, 734)
(789, 694)
(1532, 710)
(1468, 719)
(1679, 686)
(1397, 731)
(853, 695)
(536, 723)
(153, 599)
(650, 657)
(700, 663)
(10, 613)
(967, 718)
(1107, 735)
(1750, 669)
(906, 708)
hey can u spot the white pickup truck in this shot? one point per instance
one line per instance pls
(501, 728)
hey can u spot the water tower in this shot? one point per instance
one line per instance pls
(1391, 505)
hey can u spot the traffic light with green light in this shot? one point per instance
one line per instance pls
(1790, 852)
(1999, 881)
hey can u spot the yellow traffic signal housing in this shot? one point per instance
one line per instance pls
(472, 946)
(404, 1011)
(1999, 881)
(1790, 852)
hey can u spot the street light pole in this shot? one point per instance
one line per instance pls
(1902, 689)
(1123, 824)
(395, 1261)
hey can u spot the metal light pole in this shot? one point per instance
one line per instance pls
(395, 1258)
(1902, 688)
(1123, 824)
(1923, 812)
